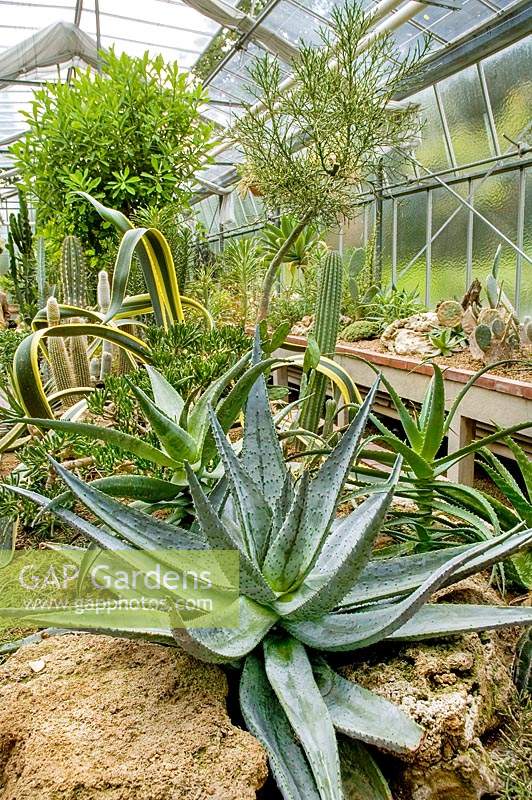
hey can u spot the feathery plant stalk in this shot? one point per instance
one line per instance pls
(314, 142)
(308, 587)
(326, 324)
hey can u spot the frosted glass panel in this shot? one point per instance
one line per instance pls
(448, 274)
(411, 236)
(466, 115)
(496, 199)
(431, 151)
(526, 276)
(509, 80)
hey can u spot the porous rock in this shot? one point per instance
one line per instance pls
(112, 719)
(409, 336)
(458, 689)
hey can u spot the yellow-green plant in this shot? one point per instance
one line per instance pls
(163, 299)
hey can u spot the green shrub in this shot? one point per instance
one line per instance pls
(129, 135)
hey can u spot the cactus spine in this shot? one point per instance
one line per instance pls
(73, 273)
(326, 323)
(60, 363)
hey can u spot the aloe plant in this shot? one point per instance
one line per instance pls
(308, 587)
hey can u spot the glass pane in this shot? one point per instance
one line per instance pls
(411, 237)
(386, 274)
(496, 199)
(292, 24)
(525, 306)
(431, 151)
(449, 249)
(466, 115)
(509, 80)
(456, 23)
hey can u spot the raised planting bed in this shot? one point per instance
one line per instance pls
(494, 400)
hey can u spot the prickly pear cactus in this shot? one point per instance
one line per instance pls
(498, 328)
(483, 337)
(327, 320)
(449, 313)
(489, 315)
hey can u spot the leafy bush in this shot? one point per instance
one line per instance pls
(129, 135)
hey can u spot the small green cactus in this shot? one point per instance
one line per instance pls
(78, 347)
(360, 329)
(73, 273)
(483, 337)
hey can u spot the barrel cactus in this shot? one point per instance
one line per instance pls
(326, 323)
(308, 587)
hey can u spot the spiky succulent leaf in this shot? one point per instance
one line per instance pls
(220, 537)
(267, 721)
(444, 619)
(343, 556)
(262, 456)
(433, 429)
(177, 442)
(350, 631)
(361, 776)
(166, 397)
(392, 577)
(139, 528)
(363, 715)
(253, 511)
(324, 492)
(278, 558)
(228, 644)
(290, 674)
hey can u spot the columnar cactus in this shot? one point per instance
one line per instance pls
(60, 363)
(73, 273)
(104, 301)
(326, 323)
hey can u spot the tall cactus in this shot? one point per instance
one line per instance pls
(326, 324)
(60, 363)
(40, 261)
(73, 273)
(104, 301)
(22, 259)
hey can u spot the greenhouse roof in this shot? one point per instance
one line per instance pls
(42, 41)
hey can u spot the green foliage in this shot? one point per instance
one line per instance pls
(287, 309)
(298, 569)
(241, 266)
(359, 269)
(303, 251)
(360, 329)
(326, 132)
(130, 135)
(22, 261)
(447, 341)
(325, 331)
(388, 305)
(420, 444)
(512, 765)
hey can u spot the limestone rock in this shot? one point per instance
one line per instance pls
(114, 719)
(408, 336)
(458, 689)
